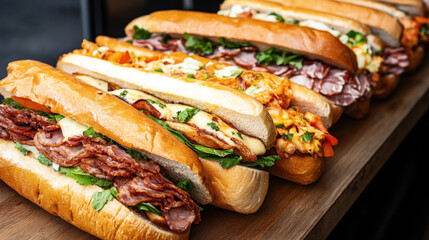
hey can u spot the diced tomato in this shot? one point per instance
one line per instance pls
(315, 121)
(27, 103)
(124, 58)
(327, 149)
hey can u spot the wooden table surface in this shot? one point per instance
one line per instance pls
(290, 211)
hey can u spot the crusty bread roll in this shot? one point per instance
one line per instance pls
(411, 7)
(336, 22)
(382, 24)
(62, 196)
(238, 188)
(246, 114)
(416, 58)
(377, 5)
(307, 100)
(316, 45)
(66, 95)
(299, 169)
(385, 87)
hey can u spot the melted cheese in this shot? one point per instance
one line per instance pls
(102, 85)
(71, 128)
(169, 113)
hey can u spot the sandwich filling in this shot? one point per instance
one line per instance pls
(298, 133)
(339, 86)
(91, 158)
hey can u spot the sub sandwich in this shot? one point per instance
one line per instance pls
(93, 160)
(218, 90)
(357, 36)
(312, 57)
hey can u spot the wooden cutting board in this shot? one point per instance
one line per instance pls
(290, 211)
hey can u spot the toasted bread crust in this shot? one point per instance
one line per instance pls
(316, 45)
(67, 95)
(382, 24)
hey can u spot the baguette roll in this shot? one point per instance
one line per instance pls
(316, 45)
(62, 196)
(382, 24)
(394, 7)
(108, 156)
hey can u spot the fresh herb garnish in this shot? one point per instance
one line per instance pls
(230, 44)
(226, 158)
(148, 207)
(158, 70)
(294, 108)
(187, 114)
(424, 30)
(262, 161)
(279, 18)
(307, 137)
(44, 160)
(84, 178)
(205, 76)
(90, 132)
(190, 76)
(213, 125)
(239, 134)
(136, 155)
(101, 198)
(289, 136)
(274, 56)
(141, 33)
(281, 125)
(354, 38)
(123, 93)
(197, 45)
(157, 102)
(165, 38)
(186, 185)
(21, 148)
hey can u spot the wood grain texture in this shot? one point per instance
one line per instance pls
(290, 211)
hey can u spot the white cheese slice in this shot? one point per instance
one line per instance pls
(94, 82)
(71, 128)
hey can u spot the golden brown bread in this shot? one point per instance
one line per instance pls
(416, 58)
(378, 6)
(412, 7)
(359, 109)
(381, 23)
(385, 87)
(339, 23)
(62, 196)
(316, 45)
(66, 95)
(299, 169)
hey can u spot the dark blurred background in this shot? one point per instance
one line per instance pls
(394, 205)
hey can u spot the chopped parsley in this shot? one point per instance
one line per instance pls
(187, 114)
(186, 185)
(289, 136)
(239, 134)
(355, 38)
(294, 108)
(214, 126)
(141, 33)
(279, 17)
(307, 137)
(274, 56)
(205, 76)
(158, 70)
(197, 45)
(190, 76)
(123, 93)
(281, 125)
(157, 102)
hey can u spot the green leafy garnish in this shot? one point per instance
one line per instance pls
(307, 137)
(21, 148)
(141, 33)
(213, 125)
(239, 134)
(226, 158)
(200, 208)
(205, 76)
(186, 185)
(158, 70)
(294, 108)
(279, 18)
(13, 103)
(90, 132)
(101, 198)
(197, 45)
(355, 37)
(281, 125)
(136, 155)
(187, 114)
(44, 160)
(123, 93)
(84, 178)
(424, 30)
(230, 44)
(190, 76)
(157, 102)
(274, 56)
(262, 161)
(148, 207)
(165, 38)
(289, 136)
